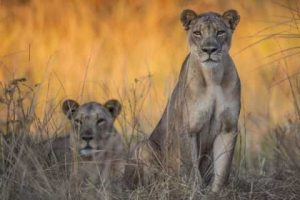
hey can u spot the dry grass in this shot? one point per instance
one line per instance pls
(38, 44)
(27, 172)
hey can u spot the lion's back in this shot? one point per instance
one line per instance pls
(58, 150)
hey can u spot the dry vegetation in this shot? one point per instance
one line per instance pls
(28, 172)
(96, 50)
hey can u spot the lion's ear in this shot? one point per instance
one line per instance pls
(232, 18)
(70, 107)
(186, 17)
(114, 107)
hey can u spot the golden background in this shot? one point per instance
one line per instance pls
(133, 51)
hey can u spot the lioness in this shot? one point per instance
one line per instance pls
(93, 141)
(198, 129)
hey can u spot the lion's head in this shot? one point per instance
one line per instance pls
(92, 123)
(209, 34)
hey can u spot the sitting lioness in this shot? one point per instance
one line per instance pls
(197, 133)
(93, 141)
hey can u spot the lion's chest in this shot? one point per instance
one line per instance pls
(103, 165)
(204, 108)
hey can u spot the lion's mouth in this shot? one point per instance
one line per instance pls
(86, 151)
(209, 60)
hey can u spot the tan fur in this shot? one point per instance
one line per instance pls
(197, 132)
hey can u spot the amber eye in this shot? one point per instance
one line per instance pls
(100, 121)
(78, 122)
(221, 33)
(197, 33)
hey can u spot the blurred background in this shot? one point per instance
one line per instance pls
(133, 50)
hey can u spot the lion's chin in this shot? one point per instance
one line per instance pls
(86, 152)
(209, 59)
(210, 63)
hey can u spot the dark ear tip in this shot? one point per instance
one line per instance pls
(65, 102)
(232, 17)
(186, 17)
(187, 13)
(232, 12)
(114, 101)
(114, 107)
(68, 105)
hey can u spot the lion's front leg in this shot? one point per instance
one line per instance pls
(195, 154)
(223, 149)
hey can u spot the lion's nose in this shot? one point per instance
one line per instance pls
(87, 137)
(209, 49)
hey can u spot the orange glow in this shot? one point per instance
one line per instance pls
(118, 44)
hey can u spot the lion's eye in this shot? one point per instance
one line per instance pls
(100, 121)
(221, 33)
(197, 33)
(78, 122)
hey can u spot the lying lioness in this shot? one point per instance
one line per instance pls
(94, 143)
